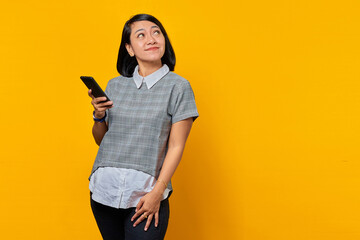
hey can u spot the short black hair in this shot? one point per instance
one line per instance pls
(126, 64)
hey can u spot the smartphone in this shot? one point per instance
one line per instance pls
(96, 90)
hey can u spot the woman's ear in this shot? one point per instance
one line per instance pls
(129, 49)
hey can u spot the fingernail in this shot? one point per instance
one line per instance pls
(145, 229)
(134, 225)
(135, 210)
(155, 225)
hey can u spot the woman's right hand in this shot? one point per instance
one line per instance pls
(100, 107)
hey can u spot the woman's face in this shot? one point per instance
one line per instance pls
(147, 42)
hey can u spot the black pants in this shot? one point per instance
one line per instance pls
(115, 224)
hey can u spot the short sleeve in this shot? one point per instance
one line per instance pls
(182, 105)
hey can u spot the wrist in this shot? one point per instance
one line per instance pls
(162, 182)
(98, 118)
(158, 193)
(99, 114)
(160, 187)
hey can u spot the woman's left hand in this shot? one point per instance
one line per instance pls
(147, 208)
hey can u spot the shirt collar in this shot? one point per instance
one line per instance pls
(151, 79)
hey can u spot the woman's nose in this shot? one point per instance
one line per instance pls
(151, 39)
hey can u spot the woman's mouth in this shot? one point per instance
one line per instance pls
(152, 49)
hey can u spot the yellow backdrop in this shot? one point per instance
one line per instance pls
(274, 154)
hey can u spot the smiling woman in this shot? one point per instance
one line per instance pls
(140, 34)
(147, 43)
(141, 133)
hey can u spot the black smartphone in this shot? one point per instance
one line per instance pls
(96, 90)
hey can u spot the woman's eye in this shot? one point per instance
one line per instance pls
(157, 31)
(141, 34)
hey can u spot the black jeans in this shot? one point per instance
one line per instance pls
(115, 224)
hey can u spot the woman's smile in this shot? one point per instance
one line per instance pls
(147, 43)
(152, 49)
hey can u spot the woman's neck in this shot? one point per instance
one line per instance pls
(146, 69)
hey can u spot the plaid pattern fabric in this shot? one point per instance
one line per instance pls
(140, 122)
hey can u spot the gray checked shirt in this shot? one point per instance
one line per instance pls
(141, 118)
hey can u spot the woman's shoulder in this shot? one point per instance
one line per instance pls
(118, 79)
(175, 79)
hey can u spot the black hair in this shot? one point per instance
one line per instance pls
(126, 64)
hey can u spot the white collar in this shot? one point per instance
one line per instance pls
(151, 79)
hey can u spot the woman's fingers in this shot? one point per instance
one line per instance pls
(157, 218)
(138, 210)
(105, 104)
(148, 222)
(101, 106)
(90, 94)
(141, 218)
(145, 209)
(99, 100)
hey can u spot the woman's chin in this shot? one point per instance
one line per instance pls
(153, 59)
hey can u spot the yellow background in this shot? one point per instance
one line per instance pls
(274, 154)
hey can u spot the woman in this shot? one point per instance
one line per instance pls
(141, 133)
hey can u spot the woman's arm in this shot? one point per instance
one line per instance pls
(99, 128)
(178, 136)
(150, 203)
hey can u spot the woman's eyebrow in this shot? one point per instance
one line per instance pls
(144, 29)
